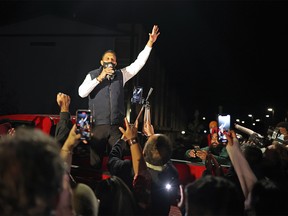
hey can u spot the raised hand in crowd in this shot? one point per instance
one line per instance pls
(63, 101)
(71, 142)
(244, 172)
(130, 135)
(65, 124)
(148, 129)
(83, 198)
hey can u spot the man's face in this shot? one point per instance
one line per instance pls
(214, 139)
(109, 57)
(283, 130)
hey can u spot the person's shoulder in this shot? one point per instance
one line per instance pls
(95, 72)
(171, 167)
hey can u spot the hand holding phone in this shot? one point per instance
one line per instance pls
(84, 123)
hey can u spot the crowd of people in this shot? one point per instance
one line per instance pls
(36, 174)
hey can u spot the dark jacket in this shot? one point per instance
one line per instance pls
(63, 127)
(107, 99)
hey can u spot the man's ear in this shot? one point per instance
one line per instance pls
(101, 62)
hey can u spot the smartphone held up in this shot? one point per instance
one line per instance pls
(224, 122)
(84, 123)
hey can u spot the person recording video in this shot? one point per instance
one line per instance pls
(104, 88)
(216, 148)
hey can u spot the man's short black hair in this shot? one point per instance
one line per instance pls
(109, 51)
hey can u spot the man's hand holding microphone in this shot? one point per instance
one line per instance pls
(108, 72)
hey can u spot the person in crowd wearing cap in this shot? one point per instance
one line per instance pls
(213, 128)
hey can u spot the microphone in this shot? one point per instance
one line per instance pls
(110, 77)
(109, 65)
(247, 130)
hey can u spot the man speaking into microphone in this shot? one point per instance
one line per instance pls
(110, 73)
(104, 88)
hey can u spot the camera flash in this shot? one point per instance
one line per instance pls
(168, 186)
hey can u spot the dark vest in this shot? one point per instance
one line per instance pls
(106, 101)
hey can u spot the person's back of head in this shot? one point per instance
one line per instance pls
(254, 157)
(115, 197)
(157, 150)
(165, 179)
(212, 195)
(84, 200)
(267, 199)
(31, 173)
(276, 162)
(252, 153)
(275, 166)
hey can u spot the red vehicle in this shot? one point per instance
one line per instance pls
(81, 170)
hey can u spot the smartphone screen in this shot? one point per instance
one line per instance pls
(137, 95)
(223, 125)
(83, 123)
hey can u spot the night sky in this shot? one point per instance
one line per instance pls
(217, 53)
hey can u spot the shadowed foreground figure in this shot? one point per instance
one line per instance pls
(32, 175)
(212, 195)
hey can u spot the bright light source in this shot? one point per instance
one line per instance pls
(183, 132)
(270, 109)
(168, 187)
